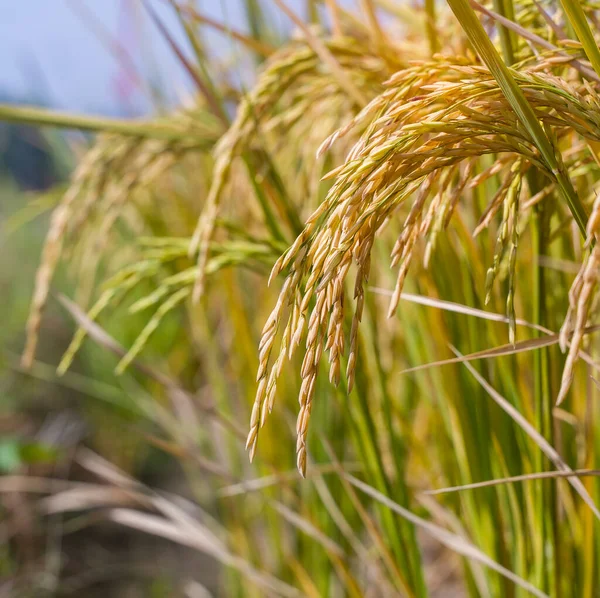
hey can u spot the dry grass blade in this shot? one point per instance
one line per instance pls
(174, 521)
(536, 39)
(509, 349)
(183, 401)
(165, 528)
(558, 30)
(308, 528)
(458, 308)
(256, 484)
(560, 265)
(103, 469)
(539, 440)
(544, 475)
(448, 539)
(326, 56)
(90, 497)
(31, 484)
(259, 46)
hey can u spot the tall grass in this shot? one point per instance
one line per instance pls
(450, 398)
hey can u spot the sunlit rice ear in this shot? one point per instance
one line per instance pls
(431, 119)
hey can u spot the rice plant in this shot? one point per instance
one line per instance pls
(393, 240)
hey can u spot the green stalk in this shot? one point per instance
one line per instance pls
(375, 371)
(505, 8)
(545, 497)
(434, 44)
(580, 25)
(516, 98)
(42, 117)
(312, 13)
(391, 527)
(545, 493)
(271, 220)
(256, 20)
(401, 536)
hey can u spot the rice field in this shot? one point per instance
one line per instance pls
(355, 303)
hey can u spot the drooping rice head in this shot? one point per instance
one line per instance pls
(422, 136)
(112, 196)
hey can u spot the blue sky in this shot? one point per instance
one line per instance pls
(49, 50)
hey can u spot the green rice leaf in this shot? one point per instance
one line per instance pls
(513, 93)
(578, 21)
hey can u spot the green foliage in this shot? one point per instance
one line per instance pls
(15, 453)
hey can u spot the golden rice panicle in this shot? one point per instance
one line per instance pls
(580, 299)
(267, 379)
(432, 221)
(507, 228)
(335, 334)
(447, 204)
(308, 372)
(278, 100)
(280, 72)
(403, 250)
(433, 119)
(512, 264)
(141, 168)
(52, 251)
(116, 166)
(510, 179)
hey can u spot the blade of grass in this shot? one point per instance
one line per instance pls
(377, 538)
(578, 21)
(536, 39)
(307, 527)
(458, 308)
(448, 539)
(43, 117)
(508, 349)
(253, 485)
(175, 531)
(540, 441)
(580, 473)
(207, 92)
(505, 8)
(543, 398)
(514, 95)
(260, 47)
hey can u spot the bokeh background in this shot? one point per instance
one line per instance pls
(95, 57)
